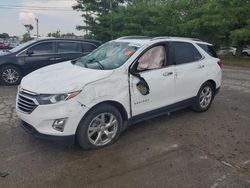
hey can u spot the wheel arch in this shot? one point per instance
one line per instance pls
(115, 104)
(12, 64)
(212, 82)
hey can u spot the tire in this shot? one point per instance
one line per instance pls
(245, 54)
(204, 98)
(10, 75)
(94, 128)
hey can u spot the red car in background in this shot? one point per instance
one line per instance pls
(2, 45)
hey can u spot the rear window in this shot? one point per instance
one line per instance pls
(209, 49)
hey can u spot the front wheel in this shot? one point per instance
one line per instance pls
(10, 75)
(204, 98)
(101, 127)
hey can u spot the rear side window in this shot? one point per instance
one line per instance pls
(185, 53)
(68, 47)
(209, 49)
(88, 47)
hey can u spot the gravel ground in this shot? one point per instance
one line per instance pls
(185, 149)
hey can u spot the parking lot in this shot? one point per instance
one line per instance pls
(184, 149)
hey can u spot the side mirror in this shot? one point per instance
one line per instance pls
(142, 85)
(29, 52)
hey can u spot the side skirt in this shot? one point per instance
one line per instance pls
(161, 111)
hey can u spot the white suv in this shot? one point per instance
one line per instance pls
(246, 52)
(93, 99)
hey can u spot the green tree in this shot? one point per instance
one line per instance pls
(28, 28)
(56, 34)
(92, 12)
(220, 22)
(68, 35)
(27, 37)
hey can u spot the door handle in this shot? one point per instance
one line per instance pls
(58, 58)
(51, 59)
(201, 66)
(167, 73)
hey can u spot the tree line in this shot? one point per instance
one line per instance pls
(221, 22)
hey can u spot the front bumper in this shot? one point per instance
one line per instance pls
(65, 140)
(43, 117)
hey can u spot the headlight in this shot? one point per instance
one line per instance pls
(55, 98)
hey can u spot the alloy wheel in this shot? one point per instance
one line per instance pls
(102, 129)
(10, 76)
(206, 97)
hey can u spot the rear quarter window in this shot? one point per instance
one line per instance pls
(209, 49)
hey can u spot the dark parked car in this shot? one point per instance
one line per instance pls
(32, 55)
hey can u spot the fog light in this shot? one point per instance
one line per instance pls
(59, 124)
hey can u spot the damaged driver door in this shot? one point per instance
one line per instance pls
(151, 81)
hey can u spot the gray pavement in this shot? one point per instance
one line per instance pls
(185, 149)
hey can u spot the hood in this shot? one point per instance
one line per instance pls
(4, 52)
(61, 78)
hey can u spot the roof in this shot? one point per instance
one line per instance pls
(144, 40)
(135, 41)
(64, 39)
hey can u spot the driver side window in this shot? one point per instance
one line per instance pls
(154, 58)
(42, 48)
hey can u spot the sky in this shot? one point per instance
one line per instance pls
(13, 19)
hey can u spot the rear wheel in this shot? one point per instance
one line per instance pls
(10, 75)
(204, 98)
(245, 54)
(101, 127)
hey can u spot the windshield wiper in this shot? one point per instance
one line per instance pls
(94, 61)
(89, 61)
(100, 65)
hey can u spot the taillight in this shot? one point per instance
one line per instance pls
(220, 63)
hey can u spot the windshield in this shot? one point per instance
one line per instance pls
(21, 46)
(110, 55)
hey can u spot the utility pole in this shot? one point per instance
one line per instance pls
(86, 23)
(37, 33)
(111, 20)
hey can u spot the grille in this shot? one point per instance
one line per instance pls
(26, 102)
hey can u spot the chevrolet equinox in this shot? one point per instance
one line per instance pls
(93, 99)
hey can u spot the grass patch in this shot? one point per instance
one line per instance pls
(236, 61)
